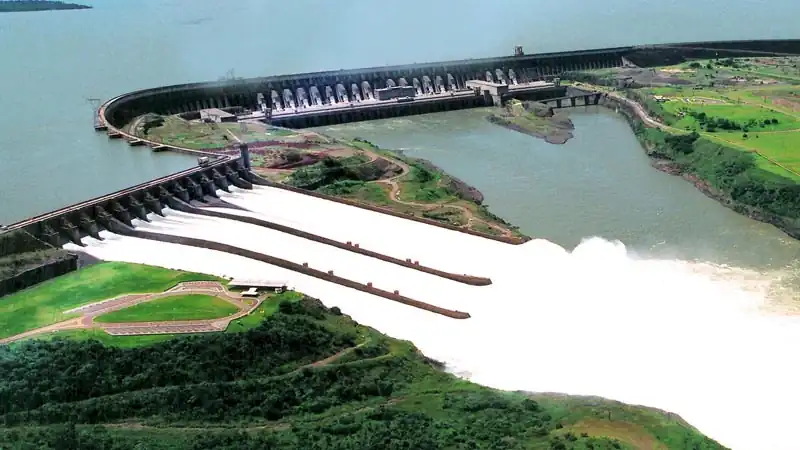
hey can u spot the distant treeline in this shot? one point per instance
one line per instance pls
(37, 5)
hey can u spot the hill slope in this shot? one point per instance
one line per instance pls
(306, 378)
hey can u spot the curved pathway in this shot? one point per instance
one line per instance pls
(92, 310)
(394, 195)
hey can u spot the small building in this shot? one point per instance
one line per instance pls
(252, 292)
(253, 285)
(395, 92)
(660, 98)
(216, 115)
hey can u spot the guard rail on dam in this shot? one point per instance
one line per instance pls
(342, 86)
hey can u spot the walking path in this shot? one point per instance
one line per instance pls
(394, 195)
(90, 311)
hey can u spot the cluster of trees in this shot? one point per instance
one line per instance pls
(711, 123)
(45, 374)
(332, 170)
(369, 399)
(37, 5)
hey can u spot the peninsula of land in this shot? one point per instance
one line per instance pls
(37, 5)
(535, 119)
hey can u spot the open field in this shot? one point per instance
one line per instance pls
(201, 136)
(45, 303)
(176, 307)
(763, 120)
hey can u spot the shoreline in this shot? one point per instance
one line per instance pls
(663, 163)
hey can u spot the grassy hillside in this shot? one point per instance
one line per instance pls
(305, 378)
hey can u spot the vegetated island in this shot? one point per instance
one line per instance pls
(535, 119)
(353, 170)
(729, 126)
(37, 5)
(291, 375)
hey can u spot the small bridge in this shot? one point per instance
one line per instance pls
(583, 99)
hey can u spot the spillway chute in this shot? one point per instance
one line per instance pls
(341, 93)
(439, 84)
(276, 100)
(356, 91)
(500, 76)
(427, 85)
(451, 82)
(329, 95)
(316, 98)
(302, 97)
(512, 76)
(288, 99)
(366, 90)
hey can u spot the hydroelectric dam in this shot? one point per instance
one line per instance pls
(294, 227)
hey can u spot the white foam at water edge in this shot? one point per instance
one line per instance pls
(684, 337)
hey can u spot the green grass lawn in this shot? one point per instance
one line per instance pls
(45, 303)
(183, 133)
(176, 307)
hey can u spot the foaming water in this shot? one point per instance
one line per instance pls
(690, 338)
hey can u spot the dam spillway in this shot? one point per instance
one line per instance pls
(280, 92)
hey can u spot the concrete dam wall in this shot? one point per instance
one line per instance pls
(284, 92)
(71, 223)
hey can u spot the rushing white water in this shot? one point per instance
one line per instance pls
(689, 338)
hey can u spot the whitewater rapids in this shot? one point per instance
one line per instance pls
(688, 338)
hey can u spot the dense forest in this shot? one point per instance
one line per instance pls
(307, 378)
(37, 5)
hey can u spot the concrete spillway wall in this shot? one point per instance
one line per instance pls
(349, 246)
(120, 228)
(71, 223)
(454, 74)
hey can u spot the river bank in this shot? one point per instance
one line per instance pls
(709, 166)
